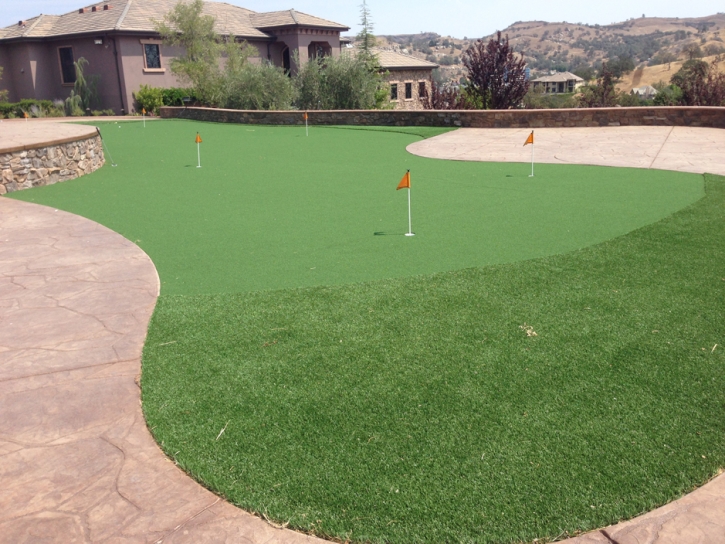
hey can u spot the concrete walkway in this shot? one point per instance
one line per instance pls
(685, 149)
(77, 461)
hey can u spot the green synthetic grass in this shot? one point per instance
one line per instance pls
(419, 409)
(415, 407)
(271, 208)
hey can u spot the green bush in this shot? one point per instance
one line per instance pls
(34, 108)
(149, 98)
(174, 96)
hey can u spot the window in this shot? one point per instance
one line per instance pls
(408, 91)
(152, 55)
(318, 50)
(394, 91)
(67, 68)
(422, 89)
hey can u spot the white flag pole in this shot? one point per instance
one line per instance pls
(144, 119)
(198, 154)
(532, 154)
(410, 220)
(307, 130)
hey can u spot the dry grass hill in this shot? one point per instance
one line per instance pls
(649, 44)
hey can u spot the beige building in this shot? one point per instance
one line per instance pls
(409, 78)
(560, 82)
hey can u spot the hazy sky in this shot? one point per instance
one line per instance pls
(458, 18)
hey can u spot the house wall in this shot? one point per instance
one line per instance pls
(401, 77)
(299, 39)
(134, 73)
(33, 70)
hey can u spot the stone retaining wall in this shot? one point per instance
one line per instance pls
(47, 165)
(580, 117)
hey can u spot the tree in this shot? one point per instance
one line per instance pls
(497, 77)
(234, 83)
(3, 94)
(603, 94)
(365, 38)
(700, 84)
(445, 97)
(84, 94)
(185, 26)
(346, 82)
(693, 51)
(623, 64)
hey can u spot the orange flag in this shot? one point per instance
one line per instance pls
(143, 111)
(405, 182)
(198, 138)
(530, 139)
(25, 114)
(305, 117)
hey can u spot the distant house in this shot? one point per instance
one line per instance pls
(119, 41)
(647, 92)
(409, 78)
(560, 82)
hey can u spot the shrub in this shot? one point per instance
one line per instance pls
(149, 98)
(347, 82)
(174, 96)
(34, 108)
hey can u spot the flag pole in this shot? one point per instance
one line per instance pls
(532, 157)
(410, 219)
(307, 130)
(198, 155)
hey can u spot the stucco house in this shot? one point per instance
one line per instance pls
(118, 39)
(559, 82)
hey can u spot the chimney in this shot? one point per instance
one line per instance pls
(82, 10)
(94, 9)
(21, 23)
(106, 7)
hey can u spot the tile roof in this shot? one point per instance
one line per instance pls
(290, 17)
(392, 60)
(139, 15)
(559, 77)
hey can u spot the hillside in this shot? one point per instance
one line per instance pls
(581, 48)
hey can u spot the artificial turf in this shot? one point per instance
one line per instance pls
(271, 208)
(496, 403)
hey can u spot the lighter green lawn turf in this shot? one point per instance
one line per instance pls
(412, 406)
(271, 208)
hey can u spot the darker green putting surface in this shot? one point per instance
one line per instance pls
(271, 208)
(539, 359)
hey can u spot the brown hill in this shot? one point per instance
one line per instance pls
(581, 48)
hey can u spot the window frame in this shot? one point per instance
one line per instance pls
(422, 86)
(394, 92)
(146, 69)
(63, 82)
(408, 90)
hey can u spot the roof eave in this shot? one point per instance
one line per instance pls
(294, 25)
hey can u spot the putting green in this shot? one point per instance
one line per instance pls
(549, 368)
(271, 208)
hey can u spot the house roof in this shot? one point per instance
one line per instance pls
(559, 77)
(392, 60)
(290, 17)
(140, 15)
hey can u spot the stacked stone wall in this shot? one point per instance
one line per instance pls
(580, 117)
(26, 168)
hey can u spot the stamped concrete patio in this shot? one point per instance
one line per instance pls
(78, 463)
(685, 149)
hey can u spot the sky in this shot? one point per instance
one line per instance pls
(456, 18)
